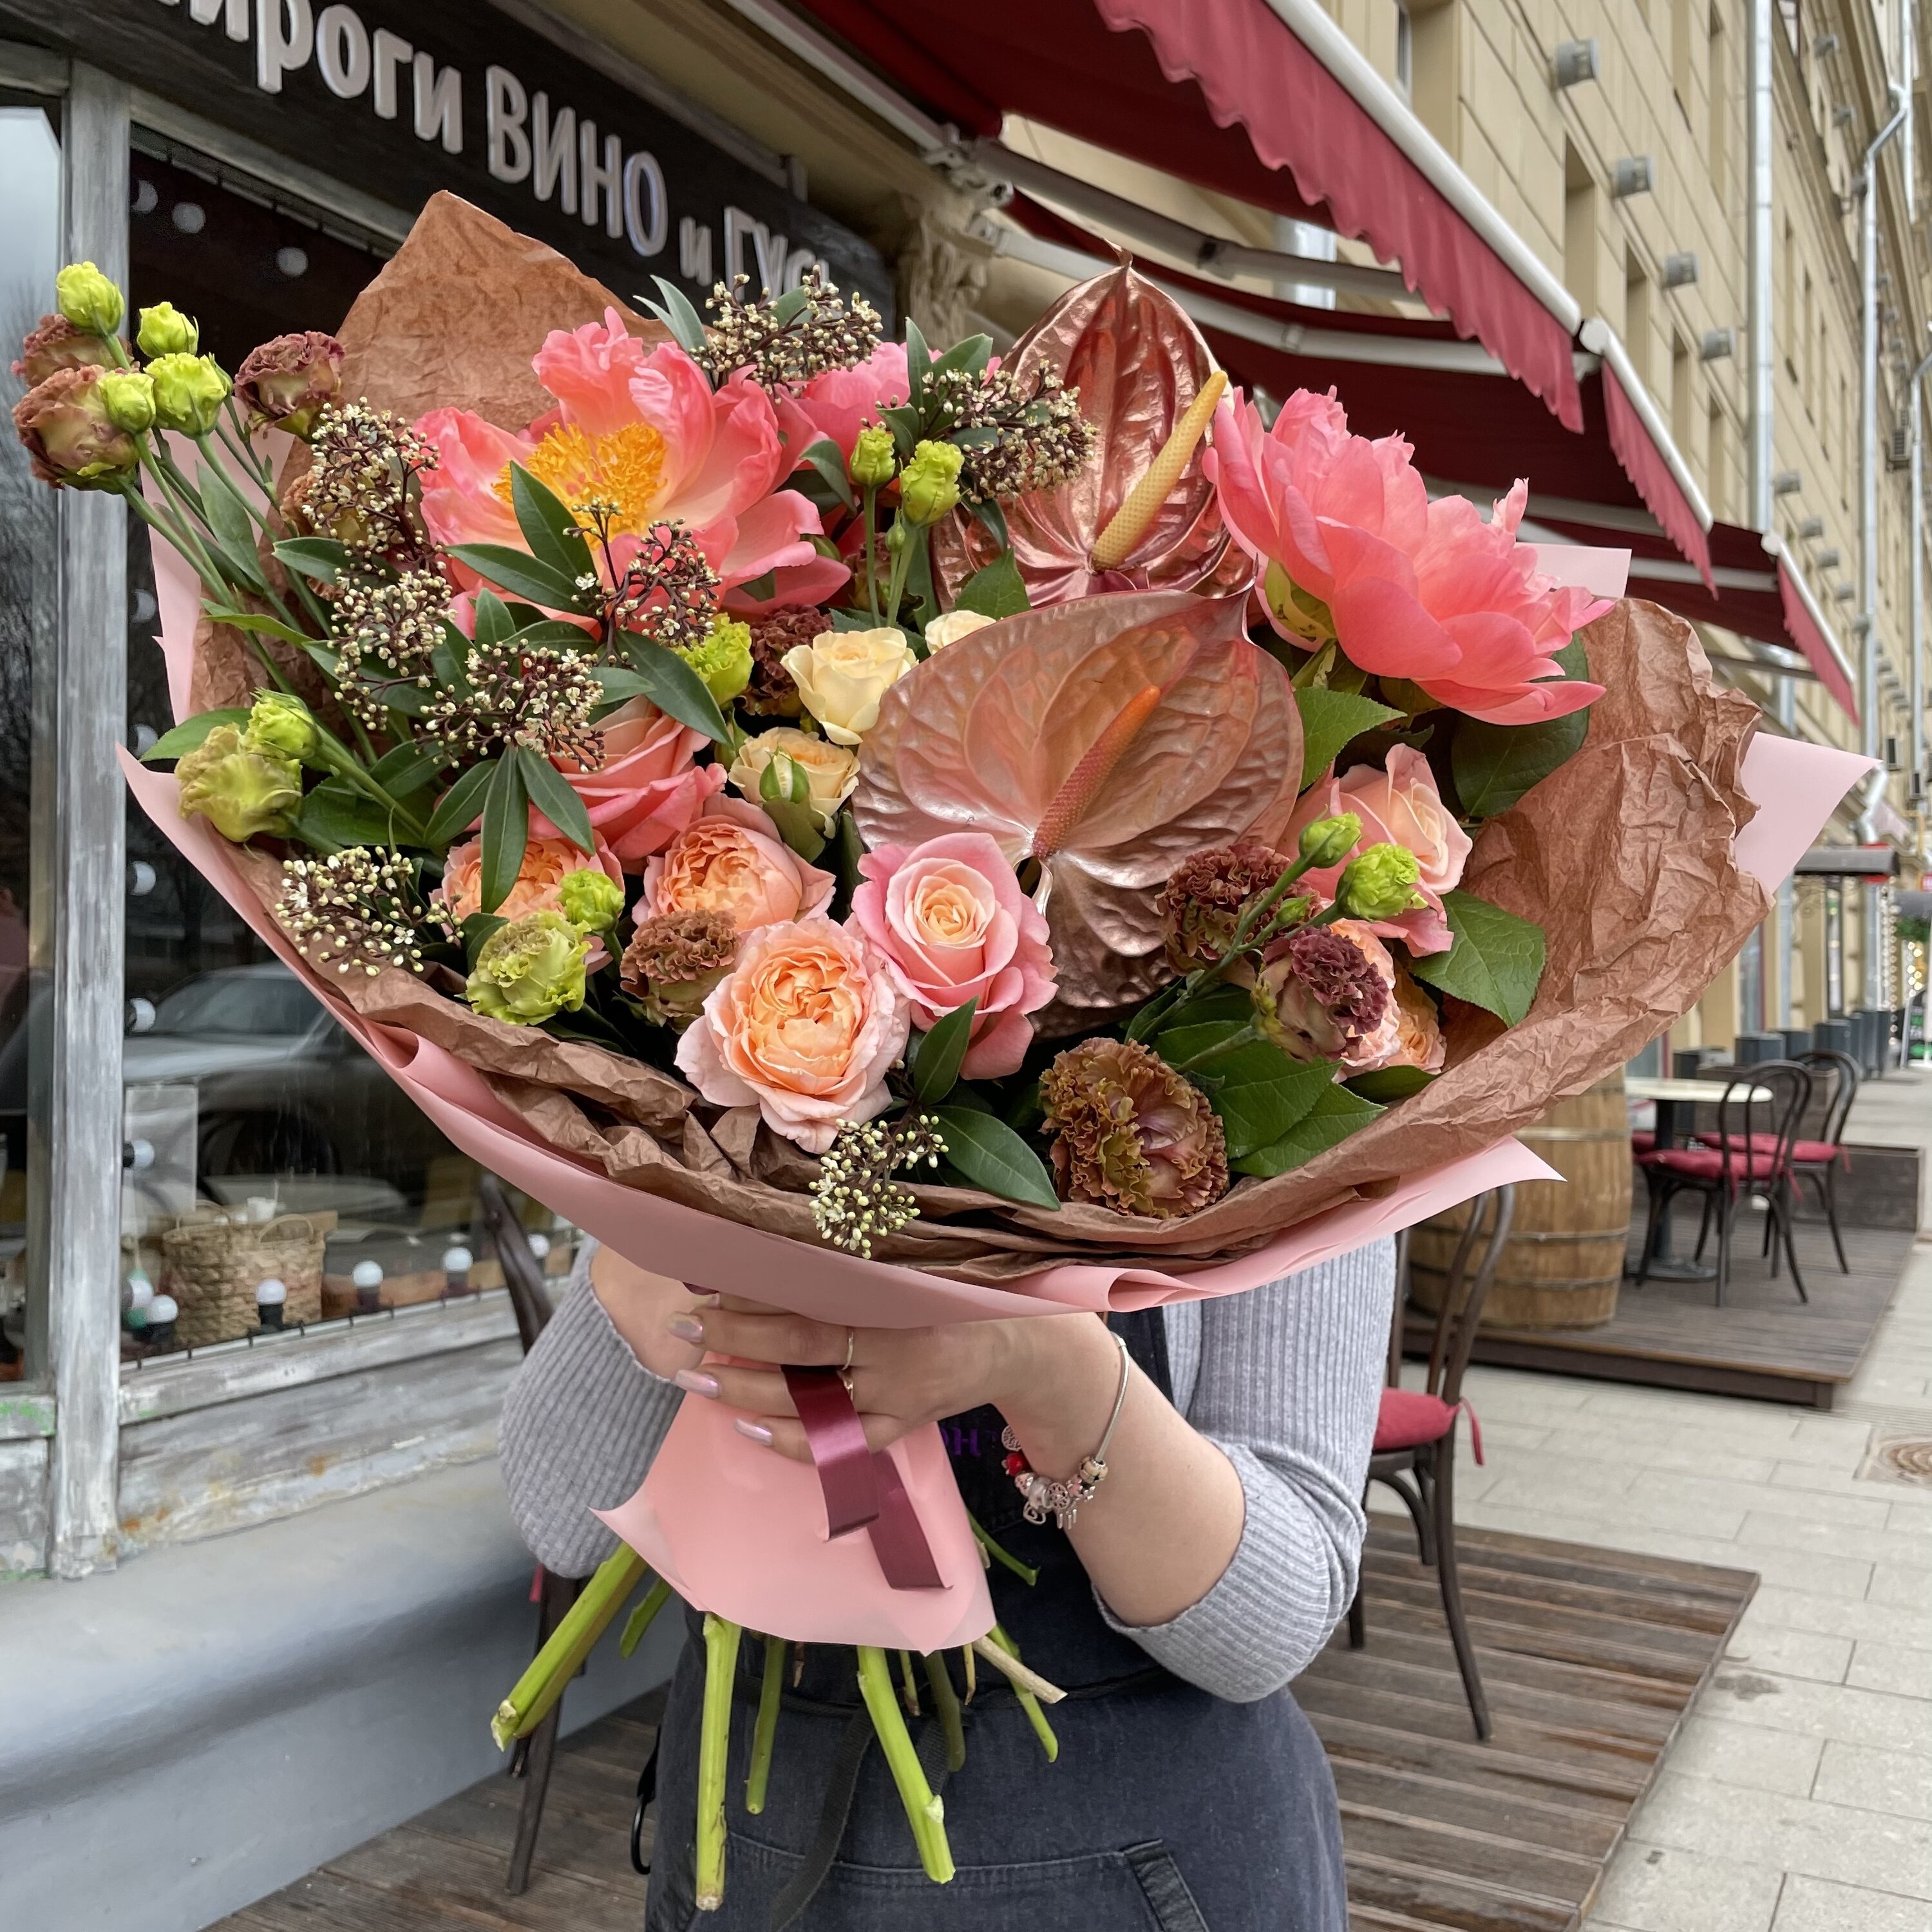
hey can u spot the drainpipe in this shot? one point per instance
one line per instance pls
(1868, 720)
(1916, 680)
(1763, 410)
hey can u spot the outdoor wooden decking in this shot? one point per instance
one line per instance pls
(1763, 1342)
(1590, 1658)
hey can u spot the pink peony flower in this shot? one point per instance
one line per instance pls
(640, 427)
(804, 1026)
(1353, 551)
(1425, 930)
(952, 923)
(732, 861)
(840, 403)
(648, 789)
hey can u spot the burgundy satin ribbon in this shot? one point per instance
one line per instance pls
(861, 1487)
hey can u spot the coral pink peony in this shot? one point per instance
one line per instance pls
(547, 859)
(840, 403)
(648, 789)
(639, 426)
(805, 1027)
(732, 861)
(952, 923)
(1353, 551)
(1409, 795)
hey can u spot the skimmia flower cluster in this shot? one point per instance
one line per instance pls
(521, 694)
(1038, 438)
(785, 340)
(386, 629)
(855, 1199)
(364, 487)
(667, 591)
(355, 910)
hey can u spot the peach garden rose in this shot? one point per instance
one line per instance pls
(804, 1027)
(953, 925)
(649, 788)
(546, 863)
(732, 860)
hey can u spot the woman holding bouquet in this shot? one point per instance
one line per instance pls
(1188, 1589)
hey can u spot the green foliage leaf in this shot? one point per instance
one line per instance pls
(552, 633)
(934, 1061)
(918, 363)
(448, 657)
(521, 574)
(322, 559)
(476, 929)
(796, 826)
(1336, 1115)
(232, 527)
(825, 458)
(550, 791)
(1329, 719)
(189, 735)
(253, 622)
(494, 624)
(995, 589)
(1496, 962)
(972, 355)
(906, 424)
(335, 815)
(1261, 1094)
(1389, 1083)
(458, 808)
(1493, 765)
(761, 589)
(554, 534)
(678, 316)
(673, 686)
(506, 832)
(992, 1156)
(409, 768)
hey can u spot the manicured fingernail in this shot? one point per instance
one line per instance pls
(686, 1328)
(708, 1301)
(756, 1431)
(694, 1381)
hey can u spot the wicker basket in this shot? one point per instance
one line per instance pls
(212, 1267)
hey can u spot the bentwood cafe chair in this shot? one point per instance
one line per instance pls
(1415, 1451)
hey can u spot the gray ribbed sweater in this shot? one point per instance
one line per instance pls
(1284, 1379)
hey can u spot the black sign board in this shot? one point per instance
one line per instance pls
(399, 98)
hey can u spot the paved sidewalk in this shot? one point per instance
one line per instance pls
(1799, 1798)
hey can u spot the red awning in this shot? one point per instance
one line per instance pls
(1221, 93)
(1644, 464)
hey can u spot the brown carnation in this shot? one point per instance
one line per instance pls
(675, 959)
(287, 381)
(772, 692)
(58, 343)
(1206, 895)
(1129, 1133)
(1321, 995)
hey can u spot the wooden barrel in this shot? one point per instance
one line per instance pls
(1564, 1257)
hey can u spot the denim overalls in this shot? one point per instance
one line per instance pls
(1168, 1810)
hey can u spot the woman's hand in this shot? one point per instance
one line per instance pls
(901, 1379)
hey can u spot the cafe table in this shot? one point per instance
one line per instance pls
(1669, 1095)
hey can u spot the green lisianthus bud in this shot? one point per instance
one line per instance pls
(240, 791)
(529, 969)
(128, 398)
(1327, 841)
(591, 899)
(89, 299)
(875, 458)
(189, 391)
(723, 658)
(929, 483)
(165, 331)
(1380, 884)
(281, 723)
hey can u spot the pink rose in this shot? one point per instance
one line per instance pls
(648, 789)
(1403, 801)
(547, 858)
(1424, 930)
(732, 861)
(805, 1027)
(952, 925)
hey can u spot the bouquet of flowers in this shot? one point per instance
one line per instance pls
(914, 835)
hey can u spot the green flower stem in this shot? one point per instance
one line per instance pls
(1247, 1036)
(909, 534)
(908, 1690)
(924, 1812)
(1246, 924)
(567, 1645)
(643, 1616)
(869, 503)
(714, 1747)
(967, 1664)
(1000, 1650)
(770, 1689)
(1023, 1571)
(166, 518)
(946, 1706)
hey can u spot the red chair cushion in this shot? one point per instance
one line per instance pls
(1813, 1153)
(1702, 1163)
(1409, 1418)
(1641, 1140)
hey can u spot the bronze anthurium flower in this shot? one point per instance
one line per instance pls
(1139, 363)
(1104, 740)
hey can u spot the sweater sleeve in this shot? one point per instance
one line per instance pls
(1288, 1385)
(581, 1422)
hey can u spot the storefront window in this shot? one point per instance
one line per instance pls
(263, 1144)
(29, 610)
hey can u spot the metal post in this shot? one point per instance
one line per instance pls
(88, 828)
(1916, 680)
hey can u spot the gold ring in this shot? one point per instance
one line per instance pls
(845, 1381)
